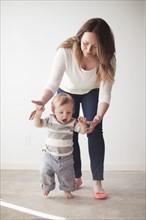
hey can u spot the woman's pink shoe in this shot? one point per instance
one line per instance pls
(100, 195)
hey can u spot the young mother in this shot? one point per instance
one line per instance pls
(84, 67)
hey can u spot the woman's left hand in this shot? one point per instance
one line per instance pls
(93, 123)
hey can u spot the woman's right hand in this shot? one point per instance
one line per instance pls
(39, 106)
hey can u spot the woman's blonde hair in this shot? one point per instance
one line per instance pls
(105, 48)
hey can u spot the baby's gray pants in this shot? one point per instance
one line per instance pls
(63, 167)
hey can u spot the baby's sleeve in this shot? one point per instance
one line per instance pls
(77, 126)
(45, 122)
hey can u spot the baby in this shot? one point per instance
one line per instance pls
(58, 157)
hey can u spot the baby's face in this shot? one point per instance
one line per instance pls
(63, 113)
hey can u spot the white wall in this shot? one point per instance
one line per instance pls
(31, 32)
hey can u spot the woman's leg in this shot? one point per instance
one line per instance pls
(95, 139)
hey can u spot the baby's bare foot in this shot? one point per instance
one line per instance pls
(45, 193)
(68, 195)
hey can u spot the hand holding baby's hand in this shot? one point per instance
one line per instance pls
(92, 124)
(39, 107)
(82, 119)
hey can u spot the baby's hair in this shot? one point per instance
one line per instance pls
(62, 99)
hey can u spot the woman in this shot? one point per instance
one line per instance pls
(84, 67)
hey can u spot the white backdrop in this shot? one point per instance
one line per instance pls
(30, 34)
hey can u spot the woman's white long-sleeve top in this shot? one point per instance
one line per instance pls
(66, 74)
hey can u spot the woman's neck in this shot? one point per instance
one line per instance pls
(89, 63)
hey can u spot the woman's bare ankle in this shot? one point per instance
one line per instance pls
(78, 182)
(97, 186)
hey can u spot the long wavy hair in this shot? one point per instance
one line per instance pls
(105, 48)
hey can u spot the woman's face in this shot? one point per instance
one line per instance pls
(89, 44)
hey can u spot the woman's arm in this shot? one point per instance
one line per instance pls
(57, 71)
(47, 95)
(104, 99)
(102, 109)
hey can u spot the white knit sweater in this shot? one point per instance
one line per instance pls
(66, 75)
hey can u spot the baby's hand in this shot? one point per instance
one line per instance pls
(83, 123)
(82, 119)
(40, 111)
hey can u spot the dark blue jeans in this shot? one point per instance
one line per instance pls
(96, 146)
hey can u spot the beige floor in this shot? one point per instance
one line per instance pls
(126, 198)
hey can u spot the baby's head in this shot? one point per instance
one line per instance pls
(63, 107)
